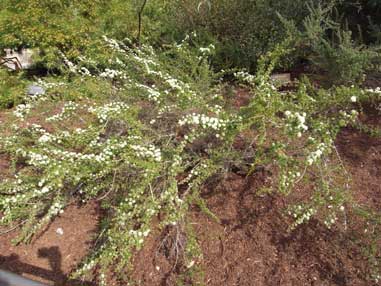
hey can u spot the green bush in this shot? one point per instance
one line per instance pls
(12, 90)
(344, 62)
(331, 48)
(242, 30)
(64, 26)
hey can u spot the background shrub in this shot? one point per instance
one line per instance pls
(330, 47)
(11, 90)
(243, 30)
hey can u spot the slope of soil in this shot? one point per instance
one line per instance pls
(361, 154)
(250, 245)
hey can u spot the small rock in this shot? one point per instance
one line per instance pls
(35, 90)
(282, 78)
(59, 231)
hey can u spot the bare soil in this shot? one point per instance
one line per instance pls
(252, 246)
(52, 255)
(362, 156)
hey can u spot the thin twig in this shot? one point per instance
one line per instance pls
(347, 183)
(13, 228)
(140, 20)
(111, 189)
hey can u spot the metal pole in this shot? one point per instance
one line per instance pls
(10, 279)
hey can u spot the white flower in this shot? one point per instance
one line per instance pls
(22, 109)
(296, 122)
(245, 76)
(44, 138)
(204, 121)
(111, 74)
(45, 189)
(353, 98)
(149, 151)
(108, 110)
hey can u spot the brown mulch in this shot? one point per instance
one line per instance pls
(252, 246)
(361, 154)
(52, 256)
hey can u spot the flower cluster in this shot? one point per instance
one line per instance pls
(245, 77)
(149, 151)
(109, 110)
(139, 235)
(113, 44)
(85, 72)
(205, 122)
(208, 50)
(287, 180)
(301, 213)
(316, 155)
(153, 94)
(348, 117)
(38, 160)
(67, 110)
(49, 85)
(46, 138)
(376, 90)
(112, 74)
(110, 149)
(296, 122)
(72, 67)
(22, 110)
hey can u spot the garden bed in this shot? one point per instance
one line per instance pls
(250, 245)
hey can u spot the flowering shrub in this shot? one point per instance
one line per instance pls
(126, 149)
(145, 133)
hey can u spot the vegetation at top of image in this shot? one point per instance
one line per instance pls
(136, 112)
